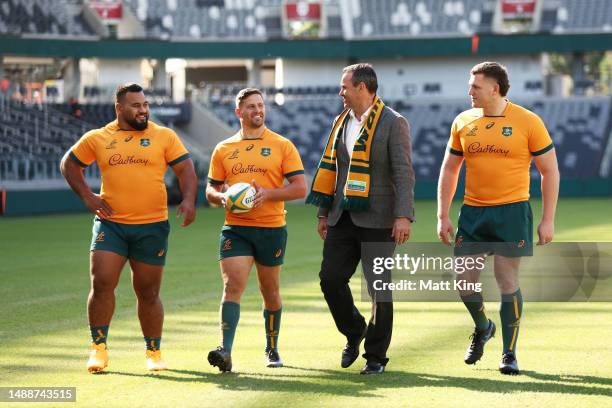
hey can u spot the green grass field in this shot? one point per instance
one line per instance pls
(564, 348)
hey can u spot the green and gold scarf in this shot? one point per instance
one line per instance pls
(357, 188)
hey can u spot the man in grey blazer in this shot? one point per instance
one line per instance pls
(386, 219)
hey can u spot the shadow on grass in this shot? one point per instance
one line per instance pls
(569, 378)
(351, 383)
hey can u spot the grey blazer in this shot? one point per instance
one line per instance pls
(391, 176)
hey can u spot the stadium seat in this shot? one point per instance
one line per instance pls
(579, 16)
(414, 18)
(51, 17)
(579, 127)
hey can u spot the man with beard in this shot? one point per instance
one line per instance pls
(131, 214)
(259, 156)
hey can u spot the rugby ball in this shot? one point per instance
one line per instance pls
(239, 197)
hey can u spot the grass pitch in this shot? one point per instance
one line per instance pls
(563, 349)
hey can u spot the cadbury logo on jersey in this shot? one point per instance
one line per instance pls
(117, 159)
(476, 147)
(239, 168)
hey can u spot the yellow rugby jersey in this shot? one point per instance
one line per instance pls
(498, 152)
(268, 160)
(132, 165)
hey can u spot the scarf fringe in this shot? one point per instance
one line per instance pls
(320, 199)
(355, 204)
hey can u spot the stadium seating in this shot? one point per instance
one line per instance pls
(414, 18)
(579, 16)
(33, 138)
(580, 128)
(257, 20)
(253, 20)
(218, 19)
(50, 17)
(201, 18)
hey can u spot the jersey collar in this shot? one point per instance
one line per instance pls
(113, 127)
(504, 113)
(254, 138)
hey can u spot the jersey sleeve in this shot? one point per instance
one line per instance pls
(216, 171)
(84, 150)
(454, 142)
(292, 163)
(175, 151)
(539, 140)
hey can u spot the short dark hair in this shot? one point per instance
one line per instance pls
(125, 88)
(496, 71)
(363, 72)
(245, 93)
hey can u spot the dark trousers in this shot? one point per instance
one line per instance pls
(342, 251)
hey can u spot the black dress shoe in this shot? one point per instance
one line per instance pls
(351, 351)
(373, 367)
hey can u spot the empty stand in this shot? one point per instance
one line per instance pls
(253, 20)
(249, 20)
(201, 18)
(578, 126)
(578, 16)
(32, 140)
(414, 18)
(50, 17)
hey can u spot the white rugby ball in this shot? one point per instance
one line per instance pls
(239, 198)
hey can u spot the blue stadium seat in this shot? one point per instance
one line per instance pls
(579, 127)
